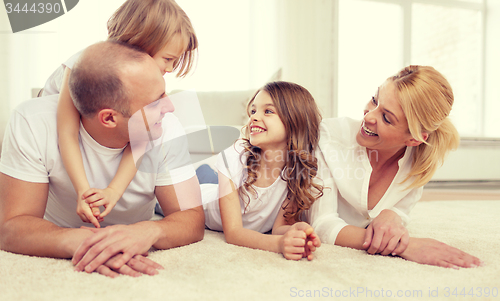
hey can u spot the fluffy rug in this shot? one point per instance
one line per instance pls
(214, 270)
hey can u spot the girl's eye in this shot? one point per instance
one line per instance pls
(374, 101)
(252, 112)
(168, 59)
(269, 111)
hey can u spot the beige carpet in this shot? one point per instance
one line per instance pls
(214, 270)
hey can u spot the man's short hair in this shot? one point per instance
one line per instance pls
(95, 82)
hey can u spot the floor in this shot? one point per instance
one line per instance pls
(435, 191)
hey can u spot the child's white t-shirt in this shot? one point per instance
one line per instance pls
(54, 82)
(262, 209)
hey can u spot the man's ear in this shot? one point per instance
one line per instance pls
(413, 142)
(108, 118)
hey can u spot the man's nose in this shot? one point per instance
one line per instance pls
(166, 105)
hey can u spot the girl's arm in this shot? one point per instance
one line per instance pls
(109, 196)
(291, 245)
(68, 127)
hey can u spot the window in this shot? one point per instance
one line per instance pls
(379, 37)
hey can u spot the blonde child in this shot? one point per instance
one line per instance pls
(267, 179)
(163, 30)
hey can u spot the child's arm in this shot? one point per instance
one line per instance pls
(291, 247)
(68, 127)
(109, 196)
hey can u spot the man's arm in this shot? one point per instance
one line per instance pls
(176, 229)
(22, 227)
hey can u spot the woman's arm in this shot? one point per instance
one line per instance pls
(68, 127)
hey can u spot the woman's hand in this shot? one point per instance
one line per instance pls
(432, 252)
(386, 234)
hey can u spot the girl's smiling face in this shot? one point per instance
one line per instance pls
(384, 126)
(266, 129)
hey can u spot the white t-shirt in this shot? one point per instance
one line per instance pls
(262, 209)
(30, 153)
(347, 176)
(54, 82)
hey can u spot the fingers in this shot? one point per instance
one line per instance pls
(99, 253)
(376, 242)
(391, 246)
(106, 211)
(149, 261)
(91, 218)
(403, 244)
(104, 270)
(368, 236)
(90, 192)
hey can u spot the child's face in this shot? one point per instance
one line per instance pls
(267, 131)
(166, 57)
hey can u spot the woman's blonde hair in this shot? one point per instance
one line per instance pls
(150, 25)
(300, 115)
(426, 98)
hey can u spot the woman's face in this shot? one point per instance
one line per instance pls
(384, 126)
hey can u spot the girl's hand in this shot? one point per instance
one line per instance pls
(298, 242)
(107, 197)
(312, 242)
(386, 234)
(87, 214)
(432, 252)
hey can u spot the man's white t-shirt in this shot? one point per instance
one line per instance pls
(30, 153)
(345, 167)
(263, 208)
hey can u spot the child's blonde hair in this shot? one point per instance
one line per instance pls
(426, 98)
(150, 25)
(300, 115)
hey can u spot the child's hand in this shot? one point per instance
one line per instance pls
(312, 242)
(107, 197)
(299, 241)
(87, 214)
(386, 234)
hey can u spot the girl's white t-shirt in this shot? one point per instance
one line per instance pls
(54, 82)
(262, 209)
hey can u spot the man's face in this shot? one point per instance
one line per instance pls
(148, 102)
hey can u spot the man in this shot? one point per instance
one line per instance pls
(109, 83)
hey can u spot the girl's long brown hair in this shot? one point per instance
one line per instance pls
(300, 115)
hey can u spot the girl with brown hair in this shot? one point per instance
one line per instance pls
(268, 178)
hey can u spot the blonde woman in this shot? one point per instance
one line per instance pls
(377, 169)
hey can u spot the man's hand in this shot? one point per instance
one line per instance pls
(128, 240)
(386, 234)
(135, 267)
(432, 252)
